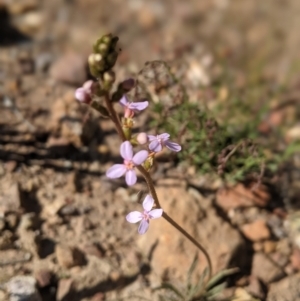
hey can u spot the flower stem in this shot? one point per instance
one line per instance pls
(192, 239)
(114, 117)
(148, 179)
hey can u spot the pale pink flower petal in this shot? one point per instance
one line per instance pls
(134, 217)
(143, 227)
(155, 213)
(140, 157)
(116, 171)
(148, 202)
(175, 147)
(155, 146)
(124, 101)
(157, 143)
(138, 106)
(151, 137)
(145, 216)
(82, 95)
(164, 136)
(126, 150)
(130, 177)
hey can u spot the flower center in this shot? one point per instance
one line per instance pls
(146, 216)
(129, 164)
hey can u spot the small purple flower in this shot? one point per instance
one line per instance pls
(132, 107)
(84, 93)
(130, 161)
(157, 142)
(145, 216)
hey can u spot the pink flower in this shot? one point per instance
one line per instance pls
(132, 107)
(157, 142)
(130, 161)
(145, 216)
(84, 93)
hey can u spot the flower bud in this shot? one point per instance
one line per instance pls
(103, 48)
(127, 84)
(127, 132)
(83, 96)
(114, 42)
(107, 38)
(142, 138)
(111, 58)
(109, 77)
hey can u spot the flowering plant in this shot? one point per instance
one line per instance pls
(98, 94)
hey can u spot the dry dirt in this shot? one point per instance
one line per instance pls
(62, 221)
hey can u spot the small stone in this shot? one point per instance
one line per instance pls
(295, 259)
(93, 250)
(10, 200)
(240, 294)
(51, 209)
(6, 240)
(255, 288)
(269, 246)
(265, 269)
(70, 68)
(3, 295)
(17, 7)
(205, 225)
(12, 221)
(22, 288)
(257, 246)
(64, 289)
(114, 276)
(285, 289)
(280, 258)
(293, 134)
(256, 231)
(11, 166)
(68, 257)
(43, 277)
(241, 196)
(30, 22)
(82, 224)
(43, 61)
(98, 297)
(69, 209)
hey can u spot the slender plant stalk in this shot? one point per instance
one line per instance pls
(152, 190)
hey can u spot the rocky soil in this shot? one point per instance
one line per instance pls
(63, 234)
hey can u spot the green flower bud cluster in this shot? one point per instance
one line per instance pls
(104, 56)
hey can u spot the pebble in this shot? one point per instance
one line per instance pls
(6, 239)
(68, 257)
(70, 68)
(269, 246)
(17, 7)
(12, 220)
(43, 277)
(241, 196)
(22, 288)
(10, 200)
(285, 289)
(64, 289)
(256, 231)
(265, 269)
